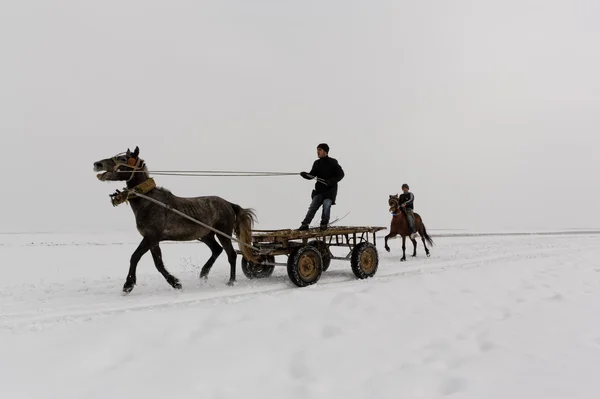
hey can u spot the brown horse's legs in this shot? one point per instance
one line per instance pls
(391, 235)
(403, 249)
(160, 266)
(144, 247)
(215, 250)
(424, 244)
(414, 246)
(231, 257)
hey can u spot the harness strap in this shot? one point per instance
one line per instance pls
(120, 197)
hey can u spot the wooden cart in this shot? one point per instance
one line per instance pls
(309, 253)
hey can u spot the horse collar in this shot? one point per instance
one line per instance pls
(120, 197)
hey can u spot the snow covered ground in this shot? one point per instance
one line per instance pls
(484, 317)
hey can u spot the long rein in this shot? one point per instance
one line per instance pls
(221, 173)
(203, 173)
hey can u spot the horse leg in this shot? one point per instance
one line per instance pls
(160, 266)
(215, 249)
(231, 257)
(422, 233)
(403, 249)
(424, 244)
(391, 235)
(414, 247)
(144, 247)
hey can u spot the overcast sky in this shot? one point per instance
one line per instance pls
(488, 109)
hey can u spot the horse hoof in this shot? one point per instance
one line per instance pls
(174, 282)
(231, 283)
(402, 259)
(428, 255)
(127, 289)
(387, 249)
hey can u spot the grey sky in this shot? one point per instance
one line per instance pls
(488, 109)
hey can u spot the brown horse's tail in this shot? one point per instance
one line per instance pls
(244, 222)
(425, 235)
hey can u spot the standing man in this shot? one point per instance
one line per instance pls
(407, 201)
(328, 173)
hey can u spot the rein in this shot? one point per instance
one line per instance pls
(169, 207)
(216, 173)
(145, 187)
(138, 165)
(221, 173)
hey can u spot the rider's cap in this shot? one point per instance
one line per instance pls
(324, 147)
(405, 185)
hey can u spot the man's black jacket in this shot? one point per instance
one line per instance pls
(328, 169)
(408, 199)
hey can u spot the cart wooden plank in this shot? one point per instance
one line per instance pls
(292, 234)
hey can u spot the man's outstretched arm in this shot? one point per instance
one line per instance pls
(312, 174)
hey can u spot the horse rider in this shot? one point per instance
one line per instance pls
(407, 200)
(329, 173)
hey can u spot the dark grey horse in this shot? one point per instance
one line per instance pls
(157, 224)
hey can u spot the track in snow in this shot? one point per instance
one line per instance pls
(50, 284)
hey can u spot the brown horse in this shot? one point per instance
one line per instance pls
(399, 225)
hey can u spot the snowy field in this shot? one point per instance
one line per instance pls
(485, 317)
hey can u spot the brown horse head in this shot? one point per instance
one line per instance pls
(120, 167)
(394, 203)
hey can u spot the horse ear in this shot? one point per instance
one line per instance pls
(136, 152)
(128, 153)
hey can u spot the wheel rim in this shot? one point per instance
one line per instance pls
(307, 267)
(368, 260)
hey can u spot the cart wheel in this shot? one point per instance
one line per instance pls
(252, 270)
(305, 266)
(325, 252)
(364, 260)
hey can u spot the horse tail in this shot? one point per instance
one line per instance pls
(244, 222)
(425, 235)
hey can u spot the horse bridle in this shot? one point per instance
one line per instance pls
(395, 207)
(133, 163)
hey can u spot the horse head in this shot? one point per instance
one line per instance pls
(394, 203)
(120, 167)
